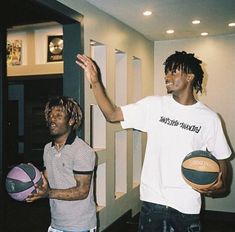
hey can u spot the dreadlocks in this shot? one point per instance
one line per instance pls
(67, 105)
(187, 63)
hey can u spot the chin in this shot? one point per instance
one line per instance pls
(53, 134)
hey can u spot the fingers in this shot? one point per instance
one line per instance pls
(28, 200)
(81, 64)
(43, 177)
(206, 193)
(30, 164)
(220, 176)
(85, 62)
(90, 68)
(31, 198)
(209, 193)
(82, 60)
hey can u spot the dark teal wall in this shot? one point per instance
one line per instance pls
(73, 84)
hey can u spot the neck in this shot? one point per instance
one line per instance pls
(61, 140)
(185, 99)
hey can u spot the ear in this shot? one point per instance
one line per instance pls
(190, 77)
(71, 122)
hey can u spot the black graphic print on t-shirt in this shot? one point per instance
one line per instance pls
(183, 125)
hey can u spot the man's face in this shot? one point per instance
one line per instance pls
(177, 82)
(58, 122)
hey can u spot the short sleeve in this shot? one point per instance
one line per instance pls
(84, 160)
(136, 115)
(218, 143)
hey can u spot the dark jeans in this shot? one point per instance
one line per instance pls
(160, 218)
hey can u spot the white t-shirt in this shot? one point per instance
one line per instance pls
(173, 131)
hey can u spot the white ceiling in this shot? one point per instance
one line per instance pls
(172, 14)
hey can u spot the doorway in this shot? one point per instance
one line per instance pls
(27, 133)
(27, 130)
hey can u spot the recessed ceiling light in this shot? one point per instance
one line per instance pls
(231, 24)
(204, 34)
(147, 13)
(195, 21)
(170, 31)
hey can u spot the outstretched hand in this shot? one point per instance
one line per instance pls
(88, 65)
(42, 191)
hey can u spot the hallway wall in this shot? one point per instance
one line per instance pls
(117, 49)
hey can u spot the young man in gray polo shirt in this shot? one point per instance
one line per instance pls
(69, 165)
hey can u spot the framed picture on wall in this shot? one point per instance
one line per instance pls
(14, 52)
(55, 47)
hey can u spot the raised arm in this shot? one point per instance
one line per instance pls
(111, 112)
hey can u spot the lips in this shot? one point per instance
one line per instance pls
(169, 84)
(52, 126)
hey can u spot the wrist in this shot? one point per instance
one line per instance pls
(48, 193)
(94, 84)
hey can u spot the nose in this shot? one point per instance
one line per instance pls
(167, 77)
(52, 118)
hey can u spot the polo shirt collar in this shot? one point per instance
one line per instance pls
(69, 140)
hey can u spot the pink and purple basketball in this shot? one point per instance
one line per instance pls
(21, 179)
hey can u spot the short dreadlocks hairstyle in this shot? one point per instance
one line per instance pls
(68, 105)
(187, 63)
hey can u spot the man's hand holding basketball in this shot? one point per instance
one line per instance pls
(215, 189)
(42, 191)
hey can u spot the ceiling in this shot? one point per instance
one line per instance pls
(172, 14)
(166, 14)
(17, 13)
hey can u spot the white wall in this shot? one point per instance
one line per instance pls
(217, 53)
(114, 35)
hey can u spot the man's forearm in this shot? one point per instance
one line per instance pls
(70, 194)
(107, 107)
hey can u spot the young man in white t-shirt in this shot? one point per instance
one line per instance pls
(176, 124)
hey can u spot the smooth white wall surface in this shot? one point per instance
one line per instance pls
(217, 54)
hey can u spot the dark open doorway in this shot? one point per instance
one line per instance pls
(27, 130)
(28, 134)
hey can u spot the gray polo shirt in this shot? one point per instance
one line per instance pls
(75, 157)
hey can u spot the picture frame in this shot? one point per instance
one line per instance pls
(14, 52)
(55, 47)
